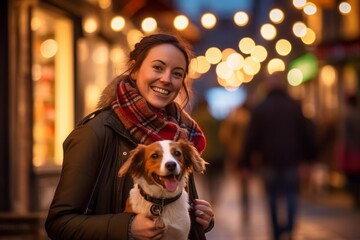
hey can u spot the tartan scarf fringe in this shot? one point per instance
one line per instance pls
(147, 126)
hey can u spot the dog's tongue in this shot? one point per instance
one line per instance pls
(170, 183)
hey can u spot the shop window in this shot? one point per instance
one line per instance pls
(53, 83)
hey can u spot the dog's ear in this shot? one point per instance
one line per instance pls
(192, 157)
(135, 163)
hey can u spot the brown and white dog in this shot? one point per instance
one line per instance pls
(160, 172)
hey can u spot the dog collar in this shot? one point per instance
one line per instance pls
(158, 203)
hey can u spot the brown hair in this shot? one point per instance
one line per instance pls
(143, 47)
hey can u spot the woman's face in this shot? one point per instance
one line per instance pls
(160, 76)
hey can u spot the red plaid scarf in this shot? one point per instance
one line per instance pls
(147, 126)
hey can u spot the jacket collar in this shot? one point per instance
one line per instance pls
(114, 123)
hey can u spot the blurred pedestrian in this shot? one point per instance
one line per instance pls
(214, 152)
(349, 148)
(232, 135)
(278, 137)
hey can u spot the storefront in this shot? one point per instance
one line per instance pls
(60, 59)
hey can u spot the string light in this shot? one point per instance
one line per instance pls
(283, 47)
(295, 77)
(246, 45)
(310, 8)
(117, 23)
(241, 18)
(90, 25)
(181, 22)
(149, 24)
(299, 4)
(309, 38)
(299, 29)
(208, 20)
(344, 7)
(276, 15)
(268, 31)
(275, 65)
(235, 68)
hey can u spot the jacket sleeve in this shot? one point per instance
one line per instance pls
(66, 220)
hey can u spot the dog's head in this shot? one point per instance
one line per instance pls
(165, 164)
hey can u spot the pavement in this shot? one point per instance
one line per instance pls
(322, 216)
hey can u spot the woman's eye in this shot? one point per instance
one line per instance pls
(178, 75)
(159, 68)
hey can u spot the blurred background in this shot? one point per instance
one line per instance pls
(56, 56)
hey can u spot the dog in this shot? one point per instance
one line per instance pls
(160, 172)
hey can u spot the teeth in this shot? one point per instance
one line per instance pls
(160, 90)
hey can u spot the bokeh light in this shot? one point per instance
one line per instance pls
(328, 75)
(90, 25)
(213, 55)
(283, 47)
(246, 45)
(117, 23)
(48, 48)
(226, 52)
(299, 4)
(295, 77)
(203, 65)
(310, 8)
(276, 15)
(208, 20)
(223, 70)
(235, 61)
(344, 8)
(181, 22)
(309, 38)
(275, 65)
(299, 29)
(251, 67)
(241, 18)
(149, 24)
(268, 31)
(259, 53)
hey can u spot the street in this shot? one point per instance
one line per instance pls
(327, 216)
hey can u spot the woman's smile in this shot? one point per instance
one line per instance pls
(160, 90)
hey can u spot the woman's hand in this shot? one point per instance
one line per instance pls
(203, 212)
(143, 228)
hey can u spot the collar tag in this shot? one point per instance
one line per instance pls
(156, 210)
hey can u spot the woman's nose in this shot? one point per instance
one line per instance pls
(166, 77)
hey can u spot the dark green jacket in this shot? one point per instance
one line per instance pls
(84, 150)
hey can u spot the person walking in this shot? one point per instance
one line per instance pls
(139, 107)
(232, 135)
(348, 149)
(278, 138)
(214, 152)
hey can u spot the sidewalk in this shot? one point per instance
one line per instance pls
(326, 217)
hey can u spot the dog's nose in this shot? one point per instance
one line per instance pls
(170, 166)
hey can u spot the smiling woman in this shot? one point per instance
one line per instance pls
(161, 75)
(138, 107)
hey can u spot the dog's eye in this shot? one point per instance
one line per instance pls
(177, 153)
(154, 156)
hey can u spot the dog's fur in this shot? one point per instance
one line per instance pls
(162, 169)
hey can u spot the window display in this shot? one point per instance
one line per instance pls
(53, 83)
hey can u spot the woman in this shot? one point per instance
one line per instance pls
(137, 107)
